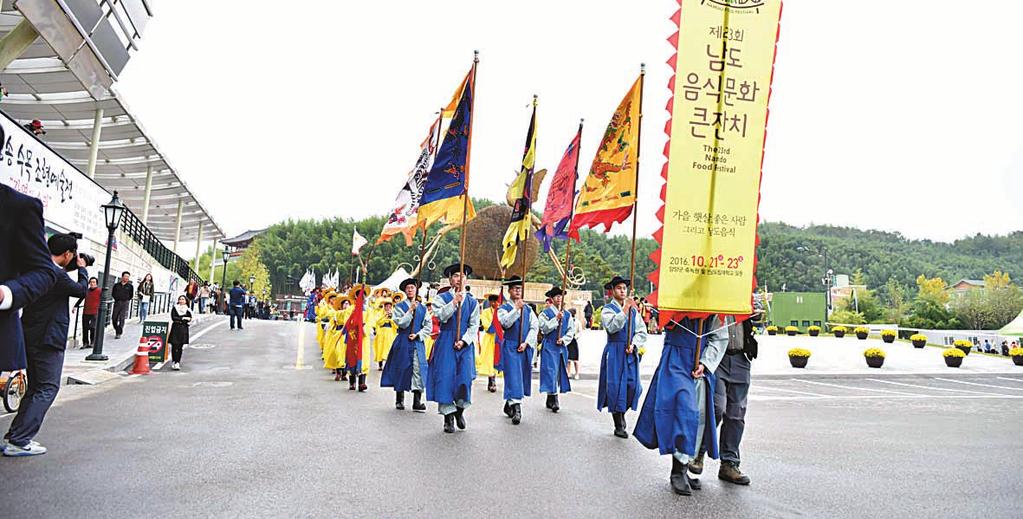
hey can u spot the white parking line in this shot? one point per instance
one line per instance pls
(856, 388)
(884, 397)
(928, 387)
(1020, 380)
(584, 395)
(976, 384)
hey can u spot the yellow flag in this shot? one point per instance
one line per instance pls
(609, 192)
(520, 191)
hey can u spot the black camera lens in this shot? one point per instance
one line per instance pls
(89, 260)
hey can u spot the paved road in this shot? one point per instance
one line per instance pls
(240, 432)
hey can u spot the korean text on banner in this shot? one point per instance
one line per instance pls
(724, 67)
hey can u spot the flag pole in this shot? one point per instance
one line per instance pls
(465, 192)
(568, 242)
(527, 191)
(635, 205)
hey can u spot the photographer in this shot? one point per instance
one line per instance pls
(45, 324)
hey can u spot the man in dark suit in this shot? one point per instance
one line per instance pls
(46, 324)
(26, 270)
(237, 304)
(122, 292)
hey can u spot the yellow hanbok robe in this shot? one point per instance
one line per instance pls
(334, 341)
(321, 313)
(383, 336)
(487, 342)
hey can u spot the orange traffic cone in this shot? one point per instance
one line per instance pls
(141, 366)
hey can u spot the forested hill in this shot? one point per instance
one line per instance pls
(288, 248)
(880, 255)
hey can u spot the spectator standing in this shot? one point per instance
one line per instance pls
(236, 304)
(46, 323)
(122, 292)
(89, 312)
(573, 347)
(191, 292)
(588, 314)
(204, 297)
(181, 317)
(145, 295)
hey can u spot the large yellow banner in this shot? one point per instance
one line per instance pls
(722, 84)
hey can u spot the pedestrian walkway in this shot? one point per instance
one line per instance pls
(120, 352)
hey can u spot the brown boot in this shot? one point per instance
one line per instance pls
(730, 472)
(696, 465)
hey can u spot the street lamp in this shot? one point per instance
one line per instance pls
(828, 275)
(252, 283)
(223, 278)
(112, 213)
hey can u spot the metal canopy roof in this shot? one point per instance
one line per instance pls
(41, 87)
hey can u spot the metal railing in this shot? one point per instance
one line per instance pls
(137, 231)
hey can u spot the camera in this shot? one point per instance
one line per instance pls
(88, 258)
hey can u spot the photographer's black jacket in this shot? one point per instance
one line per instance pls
(46, 321)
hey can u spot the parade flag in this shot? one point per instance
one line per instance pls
(706, 259)
(498, 330)
(357, 241)
(308, 281)
(404, 213)
(521, 191)
(557, 215)
(609, 191)
(449, 110)
(447, 183)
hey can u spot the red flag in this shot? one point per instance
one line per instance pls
(557, 215)
(355, 334)
(498, 330)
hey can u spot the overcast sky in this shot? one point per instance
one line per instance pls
(885, 115)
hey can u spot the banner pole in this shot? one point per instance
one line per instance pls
(568, 242)
(635, 205)
(527, 191)
(465, 193)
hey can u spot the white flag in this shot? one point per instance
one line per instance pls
(357, 242)
(308, 281)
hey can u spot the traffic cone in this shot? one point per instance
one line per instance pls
(141, 366)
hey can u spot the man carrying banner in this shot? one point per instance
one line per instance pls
(486, 362)
(558, 328)
(520, 334)
(452, 366)
(619, 387)
(406, 364)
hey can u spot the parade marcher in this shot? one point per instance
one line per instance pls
(558, 328)
(181, 316)
(619, 386)
(406, 364)
(677, 415)
(452, 366)
(731, 390)
(384, 331)
(333, 338)
(357, 354)
(490, 330)
(521, 329)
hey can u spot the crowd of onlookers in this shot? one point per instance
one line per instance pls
(1003, 349)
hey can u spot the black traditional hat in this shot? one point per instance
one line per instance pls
(513, 281)
(493, 297)
(457, 268)
(554, 292)
(618, 280)
(410, 281)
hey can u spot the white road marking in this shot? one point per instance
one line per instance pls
(855, 388)
(769, 388)
(976, 384)
(206, 330)
(584, 395)
(885, 397)
(1020, 380)
(928, 387)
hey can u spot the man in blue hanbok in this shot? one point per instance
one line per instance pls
(677, 417)
(452, 364)
(619, 386)
(520, 334)
(558, 328)
(406, 363)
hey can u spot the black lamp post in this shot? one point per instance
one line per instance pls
(223, 278)
(828, 276)
(112, 212)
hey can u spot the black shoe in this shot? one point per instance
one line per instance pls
(555, 407)
(680, 483)
(362, 383)
(619, 419)
(516, 414)
(449, 423)
(417, 402)
(351, 383)
(344, 374)
(694, 483)
(118, 336)
(380, 366)
(508, 409)
(492, 384)
(460, 418)
(399, 400)
(550, 401)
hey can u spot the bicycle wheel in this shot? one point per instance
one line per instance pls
(14, 389)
